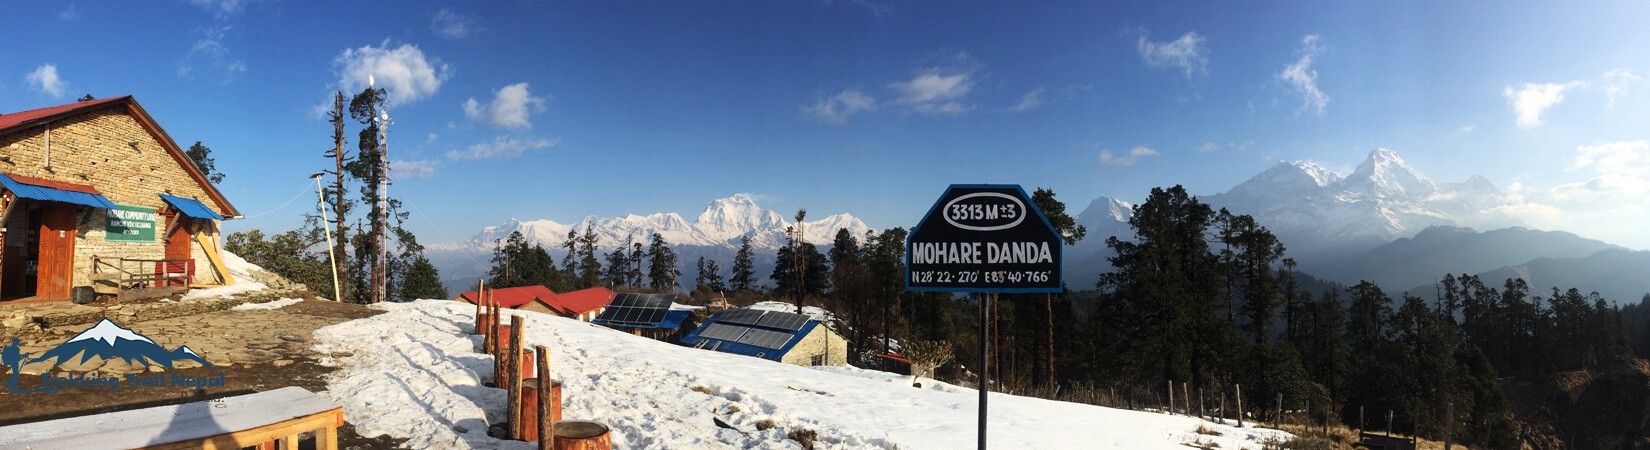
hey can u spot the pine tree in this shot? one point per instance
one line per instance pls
(369, 168)
(618, 267)
(341, 204)
(201, 157)
(590, 268)
(699, 275)
(571, 246)
(422, 281)
(713, 277)
(637, 256)
(1070, 233)
(662, 271)
(744, 269)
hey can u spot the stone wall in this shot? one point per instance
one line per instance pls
(815, 344)
(111, 151)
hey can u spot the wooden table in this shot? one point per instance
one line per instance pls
(230, 422)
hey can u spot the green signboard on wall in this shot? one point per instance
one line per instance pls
(131, 223)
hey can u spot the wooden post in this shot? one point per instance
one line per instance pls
(1277, 421)
(1360, 419)
(1239, 398)
(513, 376)
(1170, 410)
(1449, 424)
(1186, 393)
(1222, 408)
(1326, 417)
(547, 424)
(1389, 423)
(1200, 411)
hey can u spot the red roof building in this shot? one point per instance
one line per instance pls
(583, 304)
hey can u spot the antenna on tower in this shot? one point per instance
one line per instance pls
(369, 81)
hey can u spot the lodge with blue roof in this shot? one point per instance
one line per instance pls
(773, 335)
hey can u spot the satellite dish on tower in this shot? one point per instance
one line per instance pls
(369, 81)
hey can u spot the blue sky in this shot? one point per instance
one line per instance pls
(867, 107)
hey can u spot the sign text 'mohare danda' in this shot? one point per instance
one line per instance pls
(983, 238)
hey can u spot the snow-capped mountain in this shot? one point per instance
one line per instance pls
(715, 234)
(1318, 214)
(107, 340)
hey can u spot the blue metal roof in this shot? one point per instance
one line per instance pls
(191, 207)
(693, 340)
(33, 192)
(672, 320)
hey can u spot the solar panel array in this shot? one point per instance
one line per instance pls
(637, 309)
(765, 339)
(739, 325)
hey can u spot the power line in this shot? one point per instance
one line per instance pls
(301, 192)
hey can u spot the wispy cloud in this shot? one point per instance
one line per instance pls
(1466, 128)
(939, 89)
(453, 25)
(1530, 100)
(223, 8)
(1304, 79)
(837, 109)
(501, 147)
(1186, 53)
(45, 79)
(511, 107)
(70, 13)
(1618, 83)
(1030, 101)
(412, 169)
(403, 71)
(877, 9)
(212, 57)
(1134, 155)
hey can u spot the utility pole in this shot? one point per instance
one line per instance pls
(381, 118)
(332, 257)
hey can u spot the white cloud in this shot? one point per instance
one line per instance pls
(837, 109)
(1305, 80)
(454, 25)
(222, 8)
(412, 169)
(431, 138)
(939, 89)
(1625, 157)
(1617, 84)
(501, 147)
(45, 79)
(510, 107)
(1187, 53)
(1531, 99)
(877, 9)
(1208, 147)
(403, 71)
(1031, 101)
(1109, 160)
(211, 54)
(1466, 128)
(70, 13)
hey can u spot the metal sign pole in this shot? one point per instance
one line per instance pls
(985, 372)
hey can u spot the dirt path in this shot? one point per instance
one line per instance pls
(255, 351)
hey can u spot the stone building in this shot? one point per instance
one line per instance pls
(96, 190)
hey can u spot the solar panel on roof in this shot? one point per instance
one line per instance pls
(764, 338)
(629, 309)
(782, 320)
(741, 316)
(723, 332)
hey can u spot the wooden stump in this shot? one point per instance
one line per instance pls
(531, 396)
(549, 411)
(582, 435)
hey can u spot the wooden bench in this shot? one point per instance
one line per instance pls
(231, 422)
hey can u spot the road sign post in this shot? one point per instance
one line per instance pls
(984, 238)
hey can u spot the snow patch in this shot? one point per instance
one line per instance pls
(277, 304)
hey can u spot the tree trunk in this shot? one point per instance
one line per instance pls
(1048, 309)
(581, 435)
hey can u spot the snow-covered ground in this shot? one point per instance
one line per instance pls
(276, 304)
(238, 268)
(414, 373)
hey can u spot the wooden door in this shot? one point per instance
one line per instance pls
(177, 247)
(56, 252)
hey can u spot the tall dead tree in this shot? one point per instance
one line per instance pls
(340, 203)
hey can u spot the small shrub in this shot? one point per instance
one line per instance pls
(701, 390)
(804, 436)
(765, 424)
(1204, 429)
(733, 409)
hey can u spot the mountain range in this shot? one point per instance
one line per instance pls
(1385, 222)
(715, 234)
